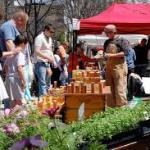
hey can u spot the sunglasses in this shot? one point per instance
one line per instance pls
(110, 32)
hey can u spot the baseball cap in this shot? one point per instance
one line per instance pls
(110, 28)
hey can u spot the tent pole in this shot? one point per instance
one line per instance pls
(74, 39)
(74, 45)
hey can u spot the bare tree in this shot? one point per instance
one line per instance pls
(83, 8)
(6, 5)
(38, 16)
(120, 1)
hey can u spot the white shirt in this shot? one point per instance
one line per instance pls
(13, 63)
(57, 62)
(44, 45)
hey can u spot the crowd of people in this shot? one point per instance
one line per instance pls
(13, 52)
(17, 69)
(52, 65)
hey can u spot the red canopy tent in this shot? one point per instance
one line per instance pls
(129, 19)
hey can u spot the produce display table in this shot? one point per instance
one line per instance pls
(79, 106)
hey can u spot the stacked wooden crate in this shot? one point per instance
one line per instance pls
(54, 99)
(85, 95)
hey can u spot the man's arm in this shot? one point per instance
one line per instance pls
(109, 55)
(9, 53)
(10, 34)
(10, 45)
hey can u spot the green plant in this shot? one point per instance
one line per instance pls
(5, 141)
(106, 124)
(100, 126)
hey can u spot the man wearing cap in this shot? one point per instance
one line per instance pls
(115, 50)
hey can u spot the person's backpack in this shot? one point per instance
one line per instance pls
(135, 87)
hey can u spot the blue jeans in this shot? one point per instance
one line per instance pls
(28, 83)
(44, 81)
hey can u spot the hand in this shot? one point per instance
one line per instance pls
(50, 60)
(17, 50)
(108, 55)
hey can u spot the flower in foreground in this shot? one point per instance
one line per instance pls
(11, 129)
(51, 112)
(7, 112)
(30, 142)
(22, 114)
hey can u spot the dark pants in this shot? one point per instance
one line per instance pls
(55, 76)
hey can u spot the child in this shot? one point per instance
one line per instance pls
(15, 78)
(3, 92)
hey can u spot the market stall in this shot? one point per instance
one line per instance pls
(129, 18)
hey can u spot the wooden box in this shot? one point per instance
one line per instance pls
(79, 106)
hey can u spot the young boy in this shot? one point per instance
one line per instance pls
(15, 78)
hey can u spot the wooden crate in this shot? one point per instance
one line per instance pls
(90, 103)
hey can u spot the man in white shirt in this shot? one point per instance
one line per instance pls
(44, 56)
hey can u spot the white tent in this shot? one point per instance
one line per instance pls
(98, 40)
